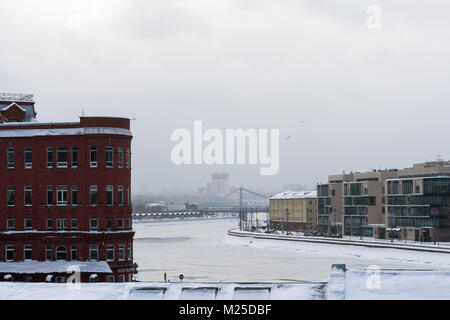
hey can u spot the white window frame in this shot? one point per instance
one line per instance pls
(74, 151)
(50, 151)
(76, 224)
(13, 224)
(90, 224)
(120, 195)
(50, 189)
(120, 157)
(56, 253)
(25, 249)
(62, 164)
(93, 248)
(93, 163)
(73, 248)
(10, 151)
(60, 192)
(46, 224)
(121, 248)
(110, 189)
(61, 224)
(27, 189)
(25, 223)
(9, 248)
(91, 190)
(128, 158)
(107, 227)
(110, 248)
(48, 249)
(109, 150)
(10, 189)
(73, 190)
(28, 165)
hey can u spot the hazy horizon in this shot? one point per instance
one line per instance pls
(343, 96)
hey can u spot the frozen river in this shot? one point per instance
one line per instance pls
(202, 251)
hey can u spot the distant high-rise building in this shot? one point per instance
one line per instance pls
(219, 184)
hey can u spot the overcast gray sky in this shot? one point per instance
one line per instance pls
(368, 98)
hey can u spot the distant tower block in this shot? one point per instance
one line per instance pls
(220, 183)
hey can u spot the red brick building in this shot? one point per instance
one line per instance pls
(64, 196)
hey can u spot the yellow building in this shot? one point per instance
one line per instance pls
(294, 211)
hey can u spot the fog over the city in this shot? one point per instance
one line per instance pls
(344, 96)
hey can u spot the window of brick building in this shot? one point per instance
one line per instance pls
(109, 195)
(109, 157)
(110, 253)
(93, 157)
(62, 157)
(28, 252)
(49, 223)
(120, 195)
(121, 252)
(28, 224)
(128, 158)
(11, 196)
(49, 195)
(61, 253)
(109, 224)
(73, 253)
(120, 157)
(28, 193)
(11, 224)
(74, 157)
(74, 224)
(93, 224)
(10, 158)
(28, 158)
(61, 194)
(61, 224)
(74, 195)
(9, 253)
(49, 157)
(93, 252)
(94, 195)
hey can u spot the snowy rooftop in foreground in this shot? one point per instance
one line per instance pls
(295, 195)
(32, 267)
(371, 284)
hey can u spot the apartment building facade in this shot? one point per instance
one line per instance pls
(65, 196)
(410, 203)
(293, 211)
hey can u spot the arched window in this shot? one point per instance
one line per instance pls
(61, 253)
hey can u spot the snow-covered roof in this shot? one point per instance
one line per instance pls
(32, 267)
(295, 195)
(12, 105)
(59, 132)
(29, 111)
